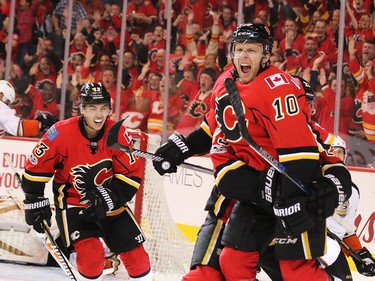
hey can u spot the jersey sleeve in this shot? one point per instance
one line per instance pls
(127, 171)
(41, 164)
(9, 122)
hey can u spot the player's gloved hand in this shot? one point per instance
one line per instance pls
(327, 195)
(269, 181)
(174, 152)
(292, 215)
(100, 200)
(46, 120)
(37, 209)
(367, 268)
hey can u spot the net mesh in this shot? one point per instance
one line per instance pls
(169, 250)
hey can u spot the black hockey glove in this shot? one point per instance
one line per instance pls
(269, 181)
(368, 267)
(46, 120)
(174, 151)
(100, 200)
(37, 209)
(292, 215)
(327, 195)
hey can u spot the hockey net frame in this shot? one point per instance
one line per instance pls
(168, 248)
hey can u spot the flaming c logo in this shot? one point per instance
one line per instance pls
(98, 174)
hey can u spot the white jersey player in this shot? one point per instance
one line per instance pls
(342, 225)
(13, 125)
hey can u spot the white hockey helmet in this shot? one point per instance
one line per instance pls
(339, 143)
(8, 91)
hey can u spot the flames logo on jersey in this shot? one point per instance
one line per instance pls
(227, 119)
(98, 174)
(197, 109)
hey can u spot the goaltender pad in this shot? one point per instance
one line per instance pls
(169, 250)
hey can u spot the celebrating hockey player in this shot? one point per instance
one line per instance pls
(276, 111)
(15, 126)
(92, 184)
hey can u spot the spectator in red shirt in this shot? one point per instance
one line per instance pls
(4, 39)
(109, 76)
(78, 44)
(44, 99)
(26, 18)
(199, 105)
(175, 110)
(294, 63)
(326, 105)
(295, 40)
(142, 16)
(227, 21)
(325, 43)
(43, 70)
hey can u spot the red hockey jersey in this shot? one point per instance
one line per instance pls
(76, 162)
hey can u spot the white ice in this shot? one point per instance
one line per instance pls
(19, 272)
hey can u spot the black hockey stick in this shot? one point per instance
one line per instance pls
(235, 100)
(112, 142)
(353, 254)
(48, 242)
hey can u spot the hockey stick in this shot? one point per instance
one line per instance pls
(112, 142)
(350, 229)
(345, 246)
(48, 242)
(235, 100)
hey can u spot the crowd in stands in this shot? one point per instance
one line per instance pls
(306, 34)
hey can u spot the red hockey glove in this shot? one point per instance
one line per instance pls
(174, 151)
(37, 209)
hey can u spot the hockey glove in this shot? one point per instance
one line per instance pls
(366, 268)
(292, 215)
(46, 120)
(269, 180)
(174, 152)
(100, 200)
(37, 209)
(327, 195)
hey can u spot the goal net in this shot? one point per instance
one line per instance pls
(169, 250)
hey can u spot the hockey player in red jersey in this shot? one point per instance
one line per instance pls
(276, 113)
(92, 184)
(15, 126)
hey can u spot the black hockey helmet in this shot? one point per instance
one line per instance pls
(252, 33)
(310, 94)
(94, 93)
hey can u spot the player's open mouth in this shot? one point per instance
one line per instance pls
(245, 68)
(98, 121)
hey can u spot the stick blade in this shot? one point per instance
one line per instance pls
(112, 140)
